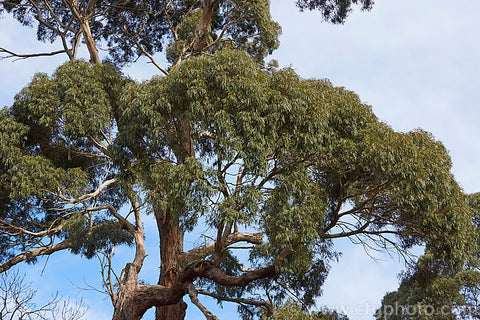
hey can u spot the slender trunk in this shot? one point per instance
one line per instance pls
(90, 42)
(204, 25)
(171, 246)
(82, 18)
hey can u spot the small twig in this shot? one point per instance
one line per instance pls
(284, 286)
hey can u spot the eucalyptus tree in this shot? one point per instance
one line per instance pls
(257, 155)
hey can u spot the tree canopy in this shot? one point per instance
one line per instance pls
(276, 166)
(433, 290)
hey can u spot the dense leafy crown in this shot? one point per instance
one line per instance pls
(300, 160)
(132, 28)
(254, 153)
(51, 141)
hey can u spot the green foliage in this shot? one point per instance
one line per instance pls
(291, 311)
(186, 32)
(168, 26)
(423, 294)
(434, 289)
(334, 11)
(88, 240)
(253, 17)
(303, 151)
(226, 141)
(53, 149)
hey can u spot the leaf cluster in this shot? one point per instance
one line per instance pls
(54, 150)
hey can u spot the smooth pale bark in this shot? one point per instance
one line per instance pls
(90, 42)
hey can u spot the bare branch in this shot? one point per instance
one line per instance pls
(44, 251)
(193, 294)
(89, 195)
(20, 56)
(16, 302)
(148, 55)
(105, 259)
(203, 251)
(130, 227)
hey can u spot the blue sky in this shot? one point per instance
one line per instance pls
(415, 62)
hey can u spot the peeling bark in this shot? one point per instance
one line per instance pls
(204, 25)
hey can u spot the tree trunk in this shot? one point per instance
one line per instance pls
(171, 246)
(204, 25)
(90, 42)
(82, 18)
(124, 307)
(134, 300)
(171, 235)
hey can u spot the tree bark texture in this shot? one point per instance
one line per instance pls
(134, 300)
(171, 247)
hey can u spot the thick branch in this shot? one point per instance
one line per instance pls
(223, 279)
(148, 296)
(203, 251)
(139, 241)
(134, 300)
(65, 244)
(85, 28)
(204, 25)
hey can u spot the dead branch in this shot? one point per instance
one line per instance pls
(43, 251)
(19, 56)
